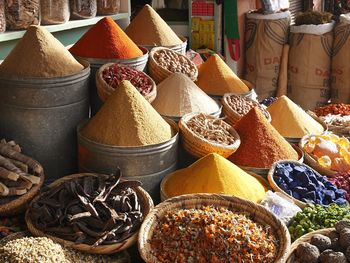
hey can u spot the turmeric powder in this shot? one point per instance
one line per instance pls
(214, 174)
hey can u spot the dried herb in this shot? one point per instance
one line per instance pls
(22, 14)
(81, 9)
(313, 18)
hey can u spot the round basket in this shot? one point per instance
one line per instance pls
(199, 147)
(159, 73)
(312, 160)
(146, 205)
(181, 48)
(104, 90)
(164, 196)
(258, 214)
(121, 257)
(232, 117)
(250, 94)
(305, 238)
(20, 204)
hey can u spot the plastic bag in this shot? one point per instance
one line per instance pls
(108, 7)
(275, 5)
(20, 14)
(2, 16)
(280, 206)
(54, 12)
(83, 9)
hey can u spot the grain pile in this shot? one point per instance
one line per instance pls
(127, 119)
(149, 29)
(178, 95)
(39, 54)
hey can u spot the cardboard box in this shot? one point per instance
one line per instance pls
(195, 23)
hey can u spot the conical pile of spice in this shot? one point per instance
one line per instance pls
(261, 144)
(106, 40)
(127, 119)
(216, 78)
(292, 121)
(214, 174)
(39, 54)
(149, 29)
(178, 95)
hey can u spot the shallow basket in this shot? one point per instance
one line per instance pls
(20, 204)
(312, 161)
(145, 202)
(232, 117)
(159, 73)
(121, 257)
(104, 90)
(164, 196)
(181, 48)
(258, 213)
(199, 147)
(305, 238)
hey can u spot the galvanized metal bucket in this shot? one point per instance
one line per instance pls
(149, 164)
(41, 114)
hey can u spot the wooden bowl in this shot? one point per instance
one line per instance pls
(258, 213)
(146, 206)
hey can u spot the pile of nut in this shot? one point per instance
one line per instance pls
(211, 129)
(175, 62)
(241, 105)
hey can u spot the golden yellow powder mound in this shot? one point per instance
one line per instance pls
(292, 121)
(216, 78)
(215, 174)
(149, 29)
(39, 54)
(127, 119)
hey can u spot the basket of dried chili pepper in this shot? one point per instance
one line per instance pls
(93, 213)
(110, 75)
(212, 228)
(203, 134)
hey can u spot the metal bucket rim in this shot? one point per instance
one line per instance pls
(131, 149)
(184, 42)
(30, 81)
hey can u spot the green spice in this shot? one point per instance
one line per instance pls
(210, 234)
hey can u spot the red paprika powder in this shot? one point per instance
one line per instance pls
(261, 144)
(106, 40)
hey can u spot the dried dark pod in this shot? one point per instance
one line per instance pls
(322, 242)
(307, 253)
(330, 256)
(344, 237)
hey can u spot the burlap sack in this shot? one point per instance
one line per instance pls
(309, 64)
(340, 85)
(264, 39)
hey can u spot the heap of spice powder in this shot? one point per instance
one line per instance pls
(106, 40)
(216, 78)
(127, 119)
(178, 95)
(261, 144)
(292, 121)
(334, 109)
(214, 174)
(39, 54)
(149, 29)
(212, 234)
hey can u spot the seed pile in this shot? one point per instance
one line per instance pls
(211, 129)
(174, 62)
(90, 210)
(333, 109)
(231, 237)
(18, 172)
(116, 73)
(241, 105)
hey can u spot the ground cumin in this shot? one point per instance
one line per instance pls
(216, 78)
(178, 95)
(127, 119)
(106, 40)
(214, 174)
(292, 121)
(39, 54)
(261, 144)
(149, 29)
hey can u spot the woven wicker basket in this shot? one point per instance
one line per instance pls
(232, 117)
(164, 196)
(258, 213)
(305, 238)
(181, 48)
(20, 204)
(312, 160)
(159, 73)
(146, 205)
(121, 257)
(199, 147)
(104, 90)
